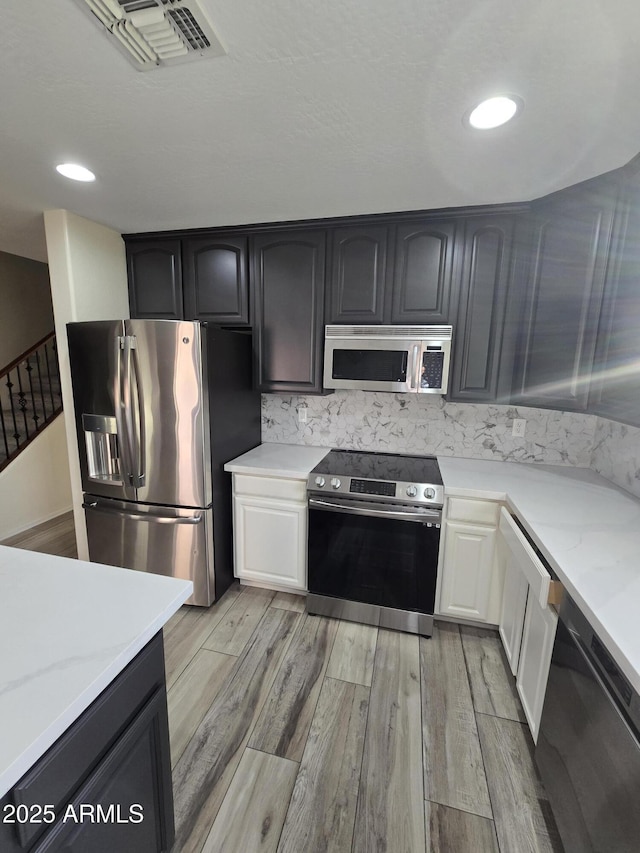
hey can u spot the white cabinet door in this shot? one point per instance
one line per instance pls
(271, 542)
(535, 659)
(467, 569)
(514, 601)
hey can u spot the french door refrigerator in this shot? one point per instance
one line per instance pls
(160, 406)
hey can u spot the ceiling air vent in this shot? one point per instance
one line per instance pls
(152, 33)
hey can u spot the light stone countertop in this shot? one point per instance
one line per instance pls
(291, 461)
(587, 528)
(67, 629)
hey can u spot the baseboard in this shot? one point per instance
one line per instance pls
(34, 523)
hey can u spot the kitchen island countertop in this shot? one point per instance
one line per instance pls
(67, 629)
(588, 530)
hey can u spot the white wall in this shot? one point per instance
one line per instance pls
(25, 296)
(88, 272)
(35, 486)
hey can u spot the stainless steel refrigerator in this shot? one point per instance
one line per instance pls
(160, 406)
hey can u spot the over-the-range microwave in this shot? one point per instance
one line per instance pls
(404, 359)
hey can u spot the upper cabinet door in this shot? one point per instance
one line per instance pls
(478, 329)
(615, 389)
(288, 278)
(154, 268)
(216, 286)
(423, 272)
(359, 274)
(571, 240)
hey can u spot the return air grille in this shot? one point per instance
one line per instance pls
(152, 33)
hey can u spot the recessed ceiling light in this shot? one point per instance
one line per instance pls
(494, 111)
(75, 172)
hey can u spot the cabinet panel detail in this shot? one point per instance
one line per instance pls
(569, 256)
(535, 659)
(288, 293)
(155, 280)
(358, 275)
(468, 568)
(481, 312)
(423, 272)
(216, 280)
(270, 539)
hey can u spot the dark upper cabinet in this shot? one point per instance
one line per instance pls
(154, 270)
(360, 273)
(423, 272)
(216, 283)
(486, 254)
(615, 385)
(287, 292)
(571, 234)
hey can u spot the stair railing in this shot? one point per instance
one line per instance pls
(30, 397)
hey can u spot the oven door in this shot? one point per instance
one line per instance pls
(373, 552)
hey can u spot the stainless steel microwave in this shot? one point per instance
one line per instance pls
(401, 359)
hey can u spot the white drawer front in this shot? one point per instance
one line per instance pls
(476, 512)
(530, 564)
(275, 488)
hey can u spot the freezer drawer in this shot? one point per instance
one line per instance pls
(162, 540)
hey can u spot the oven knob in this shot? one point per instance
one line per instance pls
(320, 481)
(411, 491)
(429, 493)
(335, 483)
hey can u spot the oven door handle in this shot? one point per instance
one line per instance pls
(429, 516)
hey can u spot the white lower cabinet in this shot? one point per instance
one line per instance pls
(514, 602)
(538, 634)
(527, 621)
(270, 533)
(470, 575)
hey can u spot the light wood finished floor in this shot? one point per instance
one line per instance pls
(299, 734)
(56, 536)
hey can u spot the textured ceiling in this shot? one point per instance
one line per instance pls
(319, 109)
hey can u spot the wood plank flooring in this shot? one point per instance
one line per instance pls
(300, 734)
(56, 536)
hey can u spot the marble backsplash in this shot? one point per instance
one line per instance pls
(403, 423)
(616, 454)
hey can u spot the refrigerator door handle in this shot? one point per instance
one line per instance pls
(132, 411)
(144, 516)
(137, 414)
(119, 398)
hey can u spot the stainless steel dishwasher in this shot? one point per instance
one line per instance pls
(588, 749)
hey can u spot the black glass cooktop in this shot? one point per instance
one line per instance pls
(380, 466)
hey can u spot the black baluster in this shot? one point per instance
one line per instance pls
(46, 354)
(16, 434)
(22, 401)
(42, 398)
(35, 417)
(4, 431)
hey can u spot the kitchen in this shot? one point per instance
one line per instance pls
(370, 421)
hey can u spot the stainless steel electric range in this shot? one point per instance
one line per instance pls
(374, 534)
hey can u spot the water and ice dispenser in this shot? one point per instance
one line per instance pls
(103, 452)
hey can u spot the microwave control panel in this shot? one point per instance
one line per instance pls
(432, 368)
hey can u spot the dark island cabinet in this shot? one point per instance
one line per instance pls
(288, 281)
(486, 256)
(423, 272)
(569, 255)
(360, 275)
(615, 388)
(216, 281)
(154, 269)
(106, 782)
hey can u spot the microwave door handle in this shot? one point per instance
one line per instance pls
(414, 369)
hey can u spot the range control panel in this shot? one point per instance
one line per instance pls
(409, 493)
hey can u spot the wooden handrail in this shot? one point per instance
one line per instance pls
(26, 354)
